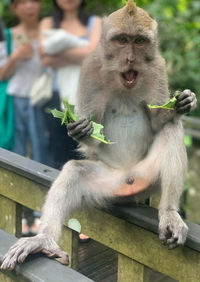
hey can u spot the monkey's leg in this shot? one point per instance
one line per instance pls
(172, 229)
(166, 161)
(92, 180)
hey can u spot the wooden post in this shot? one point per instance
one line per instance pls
(69, 243)
(131, 271)
(10, 216)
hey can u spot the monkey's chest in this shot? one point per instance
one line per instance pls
(129, 128)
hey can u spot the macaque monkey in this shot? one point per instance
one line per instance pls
(124, 74)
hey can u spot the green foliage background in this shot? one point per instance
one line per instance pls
(179, 33)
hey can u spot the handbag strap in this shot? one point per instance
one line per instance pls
(9, 41)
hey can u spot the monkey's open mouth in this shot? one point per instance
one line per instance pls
(129, 78)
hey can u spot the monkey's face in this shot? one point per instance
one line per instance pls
(129, 44)
(127, 57)
(130, 52)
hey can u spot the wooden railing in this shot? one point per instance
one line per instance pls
(130, 231)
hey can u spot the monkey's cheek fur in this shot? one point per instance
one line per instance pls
(129, 78)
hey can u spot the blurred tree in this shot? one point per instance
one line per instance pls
(179, 29)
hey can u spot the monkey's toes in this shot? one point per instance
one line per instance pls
(173, 237)
(9, 261)
(63, 257)
(58, 254)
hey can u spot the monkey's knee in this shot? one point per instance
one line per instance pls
(72, 167)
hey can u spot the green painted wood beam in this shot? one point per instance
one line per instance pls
(22, 190)
(143, 246)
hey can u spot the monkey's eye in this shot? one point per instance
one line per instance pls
(141, 40)
(122, 39)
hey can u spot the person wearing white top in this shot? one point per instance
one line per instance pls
(66, 39)
(20, 68)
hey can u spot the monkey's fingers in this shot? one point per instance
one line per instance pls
(83, 129)
(184, 110)
(186, 102)
(87, 131)
(76, 128)
(73, 125)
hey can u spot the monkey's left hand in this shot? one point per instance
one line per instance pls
(80, 129)
(186, 102)
(172, 229)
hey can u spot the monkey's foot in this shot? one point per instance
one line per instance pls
(31, 245)
(172, 229)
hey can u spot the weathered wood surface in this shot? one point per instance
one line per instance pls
(100, 264)
(10, 216)
(97, 262)
(143, 246)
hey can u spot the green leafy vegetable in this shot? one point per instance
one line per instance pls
(170, 105)
(69, 115)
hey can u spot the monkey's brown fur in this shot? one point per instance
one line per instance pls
(124, 74)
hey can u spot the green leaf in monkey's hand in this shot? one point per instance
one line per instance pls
(69, 115)
(170, 105)
(97, 133)
(57, 114)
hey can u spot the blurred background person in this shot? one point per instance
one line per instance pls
(20, 68)
(69, 16)
(6, 101)
(1, 30)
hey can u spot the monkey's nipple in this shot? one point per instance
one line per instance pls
(130, 180)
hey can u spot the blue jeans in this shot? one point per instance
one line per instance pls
(30, 126)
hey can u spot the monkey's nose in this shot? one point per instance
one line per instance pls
(130, 60)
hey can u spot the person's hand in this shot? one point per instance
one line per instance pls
(53, 61)
(23, 52)
(48, 61)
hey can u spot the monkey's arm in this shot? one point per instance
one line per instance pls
(90, 102)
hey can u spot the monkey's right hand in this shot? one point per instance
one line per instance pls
(80, 129)
(31, 245)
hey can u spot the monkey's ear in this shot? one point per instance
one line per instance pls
(131, 7)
